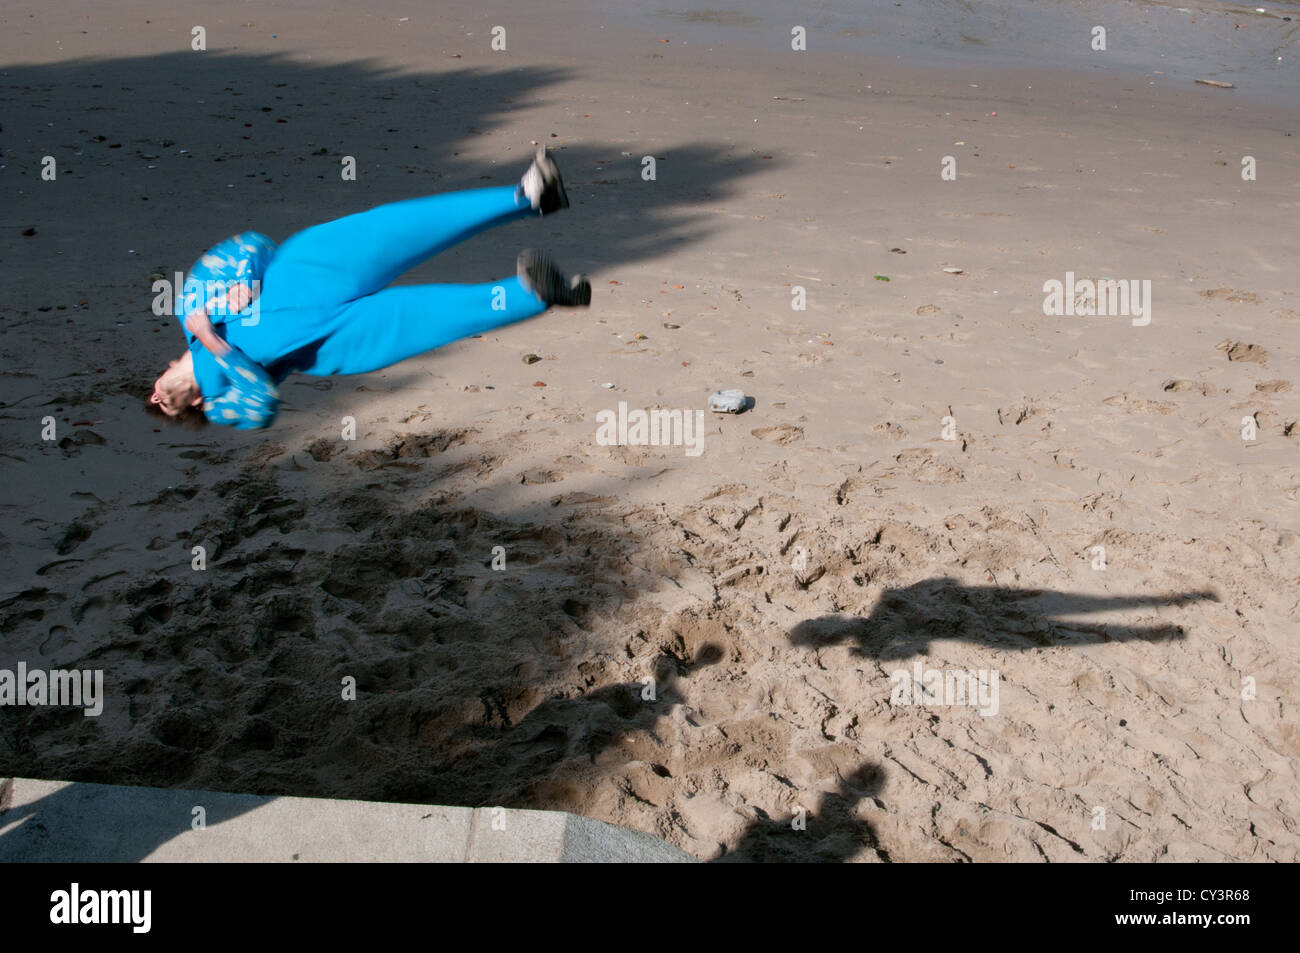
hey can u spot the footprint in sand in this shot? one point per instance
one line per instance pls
(73, 443)
(151, 604)
(76, 534)
(95, 604)
(480, 466)
(1267, 418)
(57, 638)
(540, 476)
(1179, 384)
(404, 447)
(1137, 405)
(1241, 351)
(581, 498)
(321, 449)
(1273, 387)
(781, 433)
(1230, 294)
(924, 467)
(49, 568)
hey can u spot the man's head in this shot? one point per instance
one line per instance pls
(176, 390)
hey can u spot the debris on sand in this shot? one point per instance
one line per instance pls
(728, 401)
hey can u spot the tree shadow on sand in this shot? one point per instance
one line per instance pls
(181, 150)
(556, 748)
(906, 620)
(473, 686)
(377, 570)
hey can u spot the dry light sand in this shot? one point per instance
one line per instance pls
(770, 586)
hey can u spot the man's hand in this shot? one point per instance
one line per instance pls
(197, 323)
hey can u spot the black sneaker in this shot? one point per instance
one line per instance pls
(543, 186)
(540, 275)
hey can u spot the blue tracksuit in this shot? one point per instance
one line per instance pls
(324, 307)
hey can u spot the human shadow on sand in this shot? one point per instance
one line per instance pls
(906, 620)
(827, 831)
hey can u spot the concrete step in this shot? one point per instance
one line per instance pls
(43, 821)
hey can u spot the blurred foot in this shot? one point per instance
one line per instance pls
(543, 186)
(540, 275)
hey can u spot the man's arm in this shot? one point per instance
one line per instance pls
(198, 324)
(252, 400)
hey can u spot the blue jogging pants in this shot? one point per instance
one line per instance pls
(325, 307)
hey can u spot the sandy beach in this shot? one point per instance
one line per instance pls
(1097, 511)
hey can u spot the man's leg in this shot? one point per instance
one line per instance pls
(381, 329)
(359, 254)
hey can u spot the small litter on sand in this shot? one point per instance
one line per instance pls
(727, 401)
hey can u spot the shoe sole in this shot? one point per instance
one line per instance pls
(542, 276)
